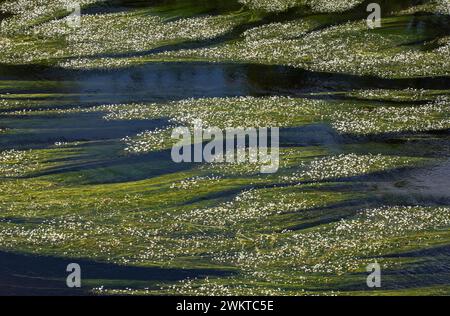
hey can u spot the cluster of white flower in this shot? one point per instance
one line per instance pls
(442, 6)
(213, 112)
(333, 5)
(66, 144)
(278, 112)
(15, 163)
(114, 33)
(409, 94)
(136, 111)
(315, 5)
(222, 112)
(210, 287)
(131, 32)
(27, 13)
(250, 205)
(195, 182)
(344, 246)
(281, 31)
(345, 48)
(148, 141)
(34, 236)
(97, 63)
(8, 103)
(345, 165)
(432, 116)
(245, 162)
(270, 5)
(431, 6)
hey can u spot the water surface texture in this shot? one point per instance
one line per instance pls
(86, 174)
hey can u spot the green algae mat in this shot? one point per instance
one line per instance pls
(92, 90)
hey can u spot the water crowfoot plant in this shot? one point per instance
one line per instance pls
(86, 119)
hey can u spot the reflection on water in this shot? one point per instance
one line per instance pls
(428, 185)
(156, 82)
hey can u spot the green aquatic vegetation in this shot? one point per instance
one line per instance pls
(225, 112)
(433, 6)
(315, 5)
(289, 112)
(380, 119)
(20, 163)
(256, 205)
(295, 263)
(351, 150)
(249, 230)
(251, 166)
(407, 95)
(108, 34)
(277, 5)
(286, 30)
(347, 165)
(345, 117)
(333, 249)
(23, 50)
(28, 13)
(363, 52)
(147, 141)
(102, 41)
(213, 112)
(389, 119)
(95, 212)
(195, 182)
(14, 163)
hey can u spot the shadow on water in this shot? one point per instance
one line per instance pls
(158, 82)
(118, 169)
(426, 268)
(425, 27)
(42, 131)
(167, 8)
(41, 275)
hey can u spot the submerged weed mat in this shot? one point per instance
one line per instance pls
(413, 40)
(86, 173)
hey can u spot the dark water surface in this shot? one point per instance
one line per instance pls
(158, 82)
(40, 275)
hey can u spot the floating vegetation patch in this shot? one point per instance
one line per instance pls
(105, 34)
(408, 95)
(27, 13)
(363, 52)
(85, 143)
(433, 6)
(279, 263)
(15, 163)
(368, 118)
(344, 166)
(226, 112)
(147, 141)
(315, 5)
(433, 116)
